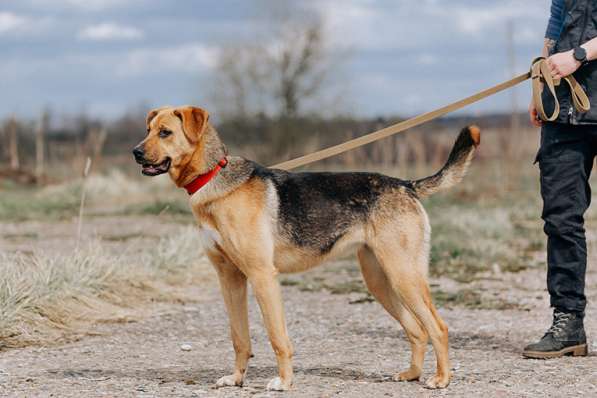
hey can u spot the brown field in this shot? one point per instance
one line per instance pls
(106, 312)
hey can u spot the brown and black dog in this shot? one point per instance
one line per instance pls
(257, 222)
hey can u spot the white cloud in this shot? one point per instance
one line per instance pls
(10, 22)
(483, 18)
(86, 5)
(426, 59)
(475, 20)
(96, 4)
(348, 23)
(412, 24)
(190, 57)
(18, 25)
(110, 31)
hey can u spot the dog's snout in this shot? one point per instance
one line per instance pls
(139, 153)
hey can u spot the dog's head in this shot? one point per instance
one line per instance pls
(173, 136)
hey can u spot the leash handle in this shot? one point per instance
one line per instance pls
(541, 73)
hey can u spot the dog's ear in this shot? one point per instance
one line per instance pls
(153, 113)
(150, 115)
(194, 121)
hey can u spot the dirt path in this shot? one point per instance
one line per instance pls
(341, 348)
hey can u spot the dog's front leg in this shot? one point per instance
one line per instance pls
(233, 284)
(267, 291)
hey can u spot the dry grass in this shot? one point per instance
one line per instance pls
(111, 193)
(471, 242)
(47, 297)
(489, 224)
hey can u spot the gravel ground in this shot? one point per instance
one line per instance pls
(341, 349)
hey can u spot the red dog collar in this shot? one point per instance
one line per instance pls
(202, 179)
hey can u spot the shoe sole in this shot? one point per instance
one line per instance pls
(575, 351)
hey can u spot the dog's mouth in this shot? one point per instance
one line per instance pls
(149, 169)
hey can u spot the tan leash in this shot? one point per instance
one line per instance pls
(539, 69)
(541, 74)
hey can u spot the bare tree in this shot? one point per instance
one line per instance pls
(300, 66)
(40, 147)
(232, 80)
(96, 138)
(274, 77)
(240, 75)
(13, 143)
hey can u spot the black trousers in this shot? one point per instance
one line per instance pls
(566, 159)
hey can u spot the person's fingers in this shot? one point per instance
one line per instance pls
(534, 117)
(537, 122)
(556, 72)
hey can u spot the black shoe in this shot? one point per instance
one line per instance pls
(566, 336)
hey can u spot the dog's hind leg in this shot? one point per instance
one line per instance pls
(380, 288)
(233, 285)
(405, 270)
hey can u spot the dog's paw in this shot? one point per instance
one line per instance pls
(229, 381)
(276, 384)
(438, 381)
(408, 375)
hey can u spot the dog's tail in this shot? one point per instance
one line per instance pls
(455, 168)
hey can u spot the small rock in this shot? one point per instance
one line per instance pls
(186, 347)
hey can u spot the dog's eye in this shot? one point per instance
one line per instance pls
(164, 133)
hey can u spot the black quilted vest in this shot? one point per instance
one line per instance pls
(580, 26)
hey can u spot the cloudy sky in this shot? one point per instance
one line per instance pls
(402, 56)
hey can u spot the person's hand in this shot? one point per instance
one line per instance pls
(563, 64)
(535, 121)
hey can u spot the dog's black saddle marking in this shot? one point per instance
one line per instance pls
(317, 209)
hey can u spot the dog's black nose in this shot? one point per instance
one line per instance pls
(139, 153)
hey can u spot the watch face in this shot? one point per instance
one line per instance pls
(580, 54)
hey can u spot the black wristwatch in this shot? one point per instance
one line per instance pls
(580, 54)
